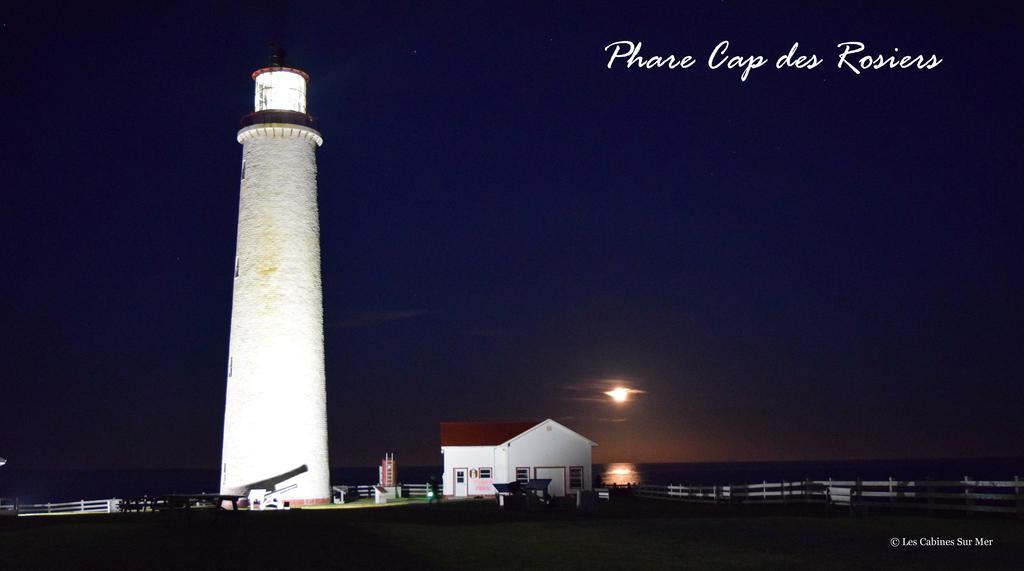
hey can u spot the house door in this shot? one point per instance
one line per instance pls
(557, 476)
(461, 482)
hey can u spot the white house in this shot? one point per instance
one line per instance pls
(478, 454)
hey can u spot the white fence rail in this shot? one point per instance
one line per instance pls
(81, 506)
(998, 496)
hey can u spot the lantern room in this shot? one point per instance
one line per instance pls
(280, 89)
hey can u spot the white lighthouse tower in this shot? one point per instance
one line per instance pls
(275, 417)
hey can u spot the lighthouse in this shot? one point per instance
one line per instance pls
(275, 415)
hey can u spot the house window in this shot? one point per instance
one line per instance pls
(460, 476)
(522, 475)
(243, 169)
(236, 266)
(485, 473)
(576, 477)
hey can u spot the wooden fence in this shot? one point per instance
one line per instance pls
(81, 506)
(12, 507)
(415, 490)
(366, 490)
(763, 493)
(994, 496)
(8, 506)
(360, 491)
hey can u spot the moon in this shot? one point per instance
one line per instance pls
(618, 394)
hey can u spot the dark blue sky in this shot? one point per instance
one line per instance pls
(808, 264)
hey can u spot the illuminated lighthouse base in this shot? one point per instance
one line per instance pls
(275, 418)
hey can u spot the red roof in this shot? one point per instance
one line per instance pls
(482, 433)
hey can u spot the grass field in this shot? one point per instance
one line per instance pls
(626, 534)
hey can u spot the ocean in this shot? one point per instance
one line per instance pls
(36, 486)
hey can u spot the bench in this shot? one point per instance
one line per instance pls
(845, 496)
